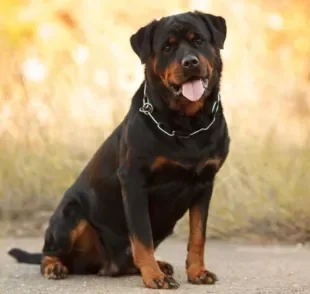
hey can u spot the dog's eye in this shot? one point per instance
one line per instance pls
(198, 41)
(167, 48)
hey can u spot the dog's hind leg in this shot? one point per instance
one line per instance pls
(65, 232)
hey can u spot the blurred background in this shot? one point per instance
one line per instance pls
(67, 74)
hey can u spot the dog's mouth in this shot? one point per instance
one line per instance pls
(193, 89)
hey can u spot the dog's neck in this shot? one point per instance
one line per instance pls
(157, 94)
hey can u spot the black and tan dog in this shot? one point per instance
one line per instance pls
(159, 163)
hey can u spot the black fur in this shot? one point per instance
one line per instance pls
(25, 257)
(118, 193)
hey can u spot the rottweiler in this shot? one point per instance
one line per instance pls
(158, 163)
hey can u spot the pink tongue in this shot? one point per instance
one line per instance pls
(193, 90)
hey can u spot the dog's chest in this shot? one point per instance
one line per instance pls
(165, 169)
(174, 185)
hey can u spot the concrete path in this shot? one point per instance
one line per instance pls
(241, 270)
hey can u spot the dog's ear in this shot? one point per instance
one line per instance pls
(217, 26)
(141, 41)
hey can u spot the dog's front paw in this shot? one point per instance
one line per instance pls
(158, 280)
(201, 276)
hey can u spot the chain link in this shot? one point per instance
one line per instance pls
(147, 109)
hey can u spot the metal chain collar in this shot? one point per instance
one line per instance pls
(147, 109)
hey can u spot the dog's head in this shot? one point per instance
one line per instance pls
(182, 53)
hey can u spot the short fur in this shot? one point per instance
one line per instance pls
(141, 181)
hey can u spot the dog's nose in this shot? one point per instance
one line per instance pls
(190, 61)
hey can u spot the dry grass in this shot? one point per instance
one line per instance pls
(67, 75)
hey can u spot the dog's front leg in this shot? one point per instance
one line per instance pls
(135, 201)
(196, 270)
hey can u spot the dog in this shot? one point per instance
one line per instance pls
(160, 162)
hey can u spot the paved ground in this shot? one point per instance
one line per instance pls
(241, 269)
